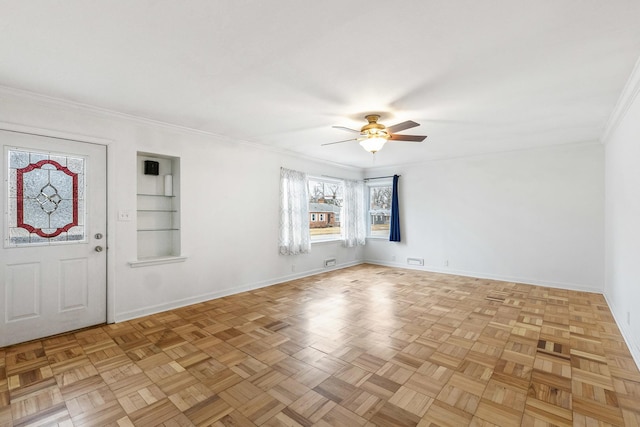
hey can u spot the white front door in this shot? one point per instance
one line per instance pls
(53, 253)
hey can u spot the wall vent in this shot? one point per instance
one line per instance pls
(331, 262)
(415, 261)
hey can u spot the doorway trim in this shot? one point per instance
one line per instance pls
(51, 133)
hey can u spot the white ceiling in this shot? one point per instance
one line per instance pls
(479, 76)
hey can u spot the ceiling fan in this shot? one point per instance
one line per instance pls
(374, 135)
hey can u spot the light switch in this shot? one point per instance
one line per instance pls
(124, 215)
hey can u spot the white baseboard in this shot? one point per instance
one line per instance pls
(634, 347)
(630, 340)
(159, 308)
(480, 275)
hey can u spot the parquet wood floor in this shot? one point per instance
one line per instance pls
(362, 346)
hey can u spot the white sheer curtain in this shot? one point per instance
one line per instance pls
(294, 213)
(353, 221)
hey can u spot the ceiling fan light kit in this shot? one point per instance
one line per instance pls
(374, 135)
(373, 144)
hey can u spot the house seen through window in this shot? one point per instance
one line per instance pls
(325, 207)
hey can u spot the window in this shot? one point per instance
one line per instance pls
(379, 218)
(46, 198)
(325, 205)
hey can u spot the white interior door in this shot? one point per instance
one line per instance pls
(53, 254)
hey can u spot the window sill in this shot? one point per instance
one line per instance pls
(145, 262)
(378, 237)
(314, 242)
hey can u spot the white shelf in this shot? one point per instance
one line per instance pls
(146, 262)
(158, 214)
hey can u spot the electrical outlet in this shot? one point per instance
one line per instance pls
(446, 263)
(293, 268)
(393, 257)
(629, 318)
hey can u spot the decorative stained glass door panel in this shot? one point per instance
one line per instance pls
(53, 266)
(46, 198)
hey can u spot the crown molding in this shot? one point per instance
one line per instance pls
(99, 111)
(104, 112)
(52, 133)
(577, 144)
(626, 99)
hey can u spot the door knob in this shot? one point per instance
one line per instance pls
(98, 248)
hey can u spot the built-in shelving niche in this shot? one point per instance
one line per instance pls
(158, 210)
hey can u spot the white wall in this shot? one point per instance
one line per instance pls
(622, 154)
(229, 207)
(534, 216)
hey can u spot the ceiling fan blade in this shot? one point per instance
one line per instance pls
(340, 142)
(347, 129)
(409, 138)
(402, 126)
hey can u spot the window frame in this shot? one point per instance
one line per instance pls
(330, 237)
(373, 184)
